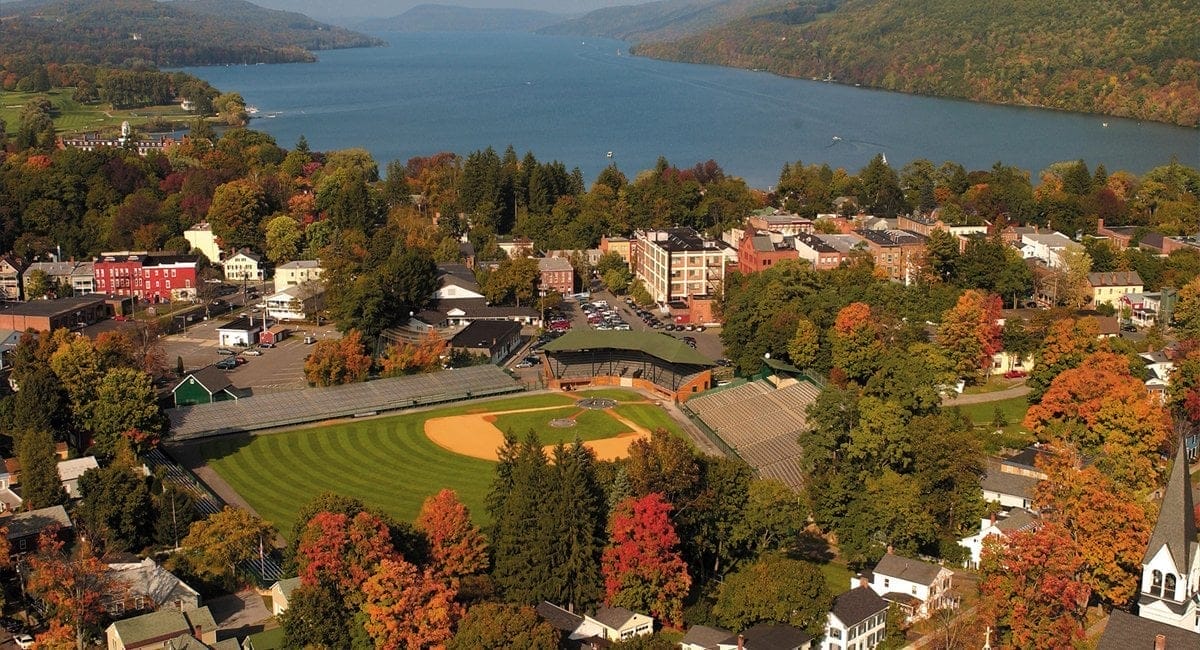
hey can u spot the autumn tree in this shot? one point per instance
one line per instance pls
(642, 567)
(1102, 409)
(217, 544)
(857, 348)
(125, 399)
(805, 344)
(1030, 588)
(408, 608)
(1067, 343)
(284, 239)
(74, 584)
(774, 589)
(499, 626)
(236, 210)
(970, 333)
(343, 552)
(456, 547)
(337, 361)
(404, 358)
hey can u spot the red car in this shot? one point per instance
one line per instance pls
(240, 360)
(1015, 374)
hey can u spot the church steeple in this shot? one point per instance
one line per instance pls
(1176, 525)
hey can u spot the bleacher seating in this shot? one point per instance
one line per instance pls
(761, 423)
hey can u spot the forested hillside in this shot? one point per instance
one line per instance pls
(1130, 58)
(448, 18)
(667, 19)
(184, 32)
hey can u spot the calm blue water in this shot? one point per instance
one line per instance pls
(575, 100)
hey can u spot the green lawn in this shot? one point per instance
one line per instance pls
(387, 462)
(618, 394)
(71, 117)
(589, 425)
(837, 576)
(1014, 435)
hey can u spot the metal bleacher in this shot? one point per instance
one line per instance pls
(761, 424)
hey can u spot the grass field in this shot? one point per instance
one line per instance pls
(387, 462)
(1014, 435)
(649, 416)
(72, 117)
(589, 425)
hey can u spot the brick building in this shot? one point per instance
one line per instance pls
(898, 253)
(759, 250)
(151, 277)
(556, 274)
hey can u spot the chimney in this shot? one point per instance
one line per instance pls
(1160, 642)
(889, 549)
(742, 642)
(862, 581)
(198, 632)
(993, 517)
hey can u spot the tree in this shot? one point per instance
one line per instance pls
(237, 208)
(337, 361)
(38, 285)
(404, 358)
(574, 515)
(970, 333)
(857, 348)
(1187, 310)
(284, 239)
(41, 404)
(40, 485)
(774, 589)
(316, 617)
(498, 626)
(456, 546)
(125, 400)
(642, 567)
(176, 510)
(73, 584)
(217, 544)
(520, 543)
(80, 369)
(116, 508)
(343, 552)
(1108, 526)
(1030, 590)
(664, 464)
(1066, 345)
(1076, 264)
(805, 344)
(407, 608)
(772, 518)
(943, 254)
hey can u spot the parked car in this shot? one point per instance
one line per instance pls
(309, 340)
(227, 364)
(226, 351)
(23, 641)
(267, 346)
(239, 360)
(1015, 374)
(254, 352)
(1129, 327)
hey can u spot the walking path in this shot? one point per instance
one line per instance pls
(983, 398)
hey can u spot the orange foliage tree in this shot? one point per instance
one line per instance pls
(969, 333)
(406, 608)
(643, 569)
(855, 339)
(1030, 591)
(408, 358)
(73, 584)
(1067, 343)
(342, 551)
(456, 546)
(1103, 409)
(341, 361)
(1109, 527)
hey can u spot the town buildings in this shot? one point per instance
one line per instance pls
(556, 274)
(202, 239)
(12, 269)
(296, 273)
(760, 250)
(71, 278)
(244, 265)
(677, 263)
(151, 277)
(898, 254)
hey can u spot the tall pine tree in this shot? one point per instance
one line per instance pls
(40, 485)
(520, 541)
(575, 515)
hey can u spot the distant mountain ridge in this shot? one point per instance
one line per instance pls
(1127, 58)
(177, 33)
(663, 20)
(453, 18)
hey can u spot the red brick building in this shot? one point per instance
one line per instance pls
(556, 274)
(761, 250)
(147, 276)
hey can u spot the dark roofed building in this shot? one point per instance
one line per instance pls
(758, 251)
(702, 637)
(49, 315)
(769, 636)
(495, 339)
(920, 588)
(1128, 632)
(898, 252)
(24, 528)
(559, 618)
(208, 384)
(858, 619)
(449, 312)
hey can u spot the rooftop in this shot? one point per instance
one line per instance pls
(614, 617)
(52, 308)
(210, 377)
(558, 617)
(25, 524)
(554, 264)
(1128, 632)
(770, 636)
(704, 636)
(72, 469)
(890, 237)
(165, 623)
(667, 348)
(486, 334)
(903, 568)
(1115, 279)
(243, 324)
(857, 605)
(678, 239)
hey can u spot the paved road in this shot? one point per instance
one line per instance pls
(983, 398)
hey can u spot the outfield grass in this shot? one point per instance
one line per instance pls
(72, 117)
(387, 462)
(589, 425)
(616, 394)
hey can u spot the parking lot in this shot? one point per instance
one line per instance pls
(277, 369)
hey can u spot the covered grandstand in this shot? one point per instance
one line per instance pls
(761, 423)
(655, 362)
(316, 404)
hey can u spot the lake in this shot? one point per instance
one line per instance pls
(576, 100)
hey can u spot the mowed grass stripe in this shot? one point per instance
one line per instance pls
(389, 463)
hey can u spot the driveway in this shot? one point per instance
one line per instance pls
(239, 615)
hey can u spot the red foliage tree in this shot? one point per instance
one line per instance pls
(456, 546)
(409, 609)
(72, 584)
(642, 567)
(338, 550)
(1030, 590)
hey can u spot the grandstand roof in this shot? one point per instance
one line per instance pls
(667, 348)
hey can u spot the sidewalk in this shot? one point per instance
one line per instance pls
(983, 398)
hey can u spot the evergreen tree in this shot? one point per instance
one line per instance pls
(40, 485)
(520, 537)
(575, 511)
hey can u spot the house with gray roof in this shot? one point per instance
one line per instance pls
(702, 637)
(24, 528)
(1001, 525)
(596, 630)
(281, 593)
(204, 386)
(858, 619)
(768, 636)
(1128, 632)
(920, 588)
(69, 472)
(146, 586)
(163, 629)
